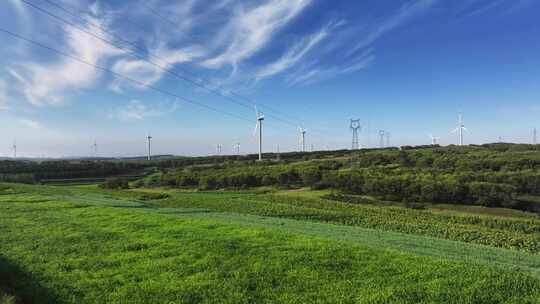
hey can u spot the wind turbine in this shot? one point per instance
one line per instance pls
(148, 140)
(14, 148)
(460, 129)
(260, 117)
(218, 149)
(302, 138)
(434, 140)
(381, 138)
(95, 146)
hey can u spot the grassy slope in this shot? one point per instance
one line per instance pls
(521, 233)
(96, 249)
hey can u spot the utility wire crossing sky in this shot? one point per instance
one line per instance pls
(195, 74)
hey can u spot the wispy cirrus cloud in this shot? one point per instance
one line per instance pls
(31, 124)
(354, 45)
(136, 110)
(249, 30)
(150, 71)
(472, 8)
(48, 83)
(312, 73)
(3, 95)
(294, 54)
(377, 29)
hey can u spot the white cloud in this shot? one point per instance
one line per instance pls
(249, 31)
(29, 123)
(19, 7)
(3, 95)
(398, 18)
(148, 72)
(360, 55)
(311, 74)
(293, 55)
(137, 110)
(46, 84)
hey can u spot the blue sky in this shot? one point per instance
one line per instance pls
(407, 67)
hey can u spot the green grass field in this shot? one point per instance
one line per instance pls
(85, 245)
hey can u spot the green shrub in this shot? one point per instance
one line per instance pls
(493, 195)
(115, 183)
(153, 196)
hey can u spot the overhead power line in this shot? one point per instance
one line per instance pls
(208, 86)
(119, 75)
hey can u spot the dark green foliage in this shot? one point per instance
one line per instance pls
(33, 171)
(115, 183)
(490, 194)
(153, 196)
(491, 175)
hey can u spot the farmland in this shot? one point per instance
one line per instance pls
(186, 232)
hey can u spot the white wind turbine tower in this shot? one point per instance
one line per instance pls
(302, 138)
(434, 139)
(260, 117)
(460, 129)
(148, 140)
(95, 146)
(14, 148)
(219, 147)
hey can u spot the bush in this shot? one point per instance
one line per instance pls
(138, 183)
(268, 180)
(115, 183)
(153, 196)
(208, 183)
(493, 195)
(311, 176)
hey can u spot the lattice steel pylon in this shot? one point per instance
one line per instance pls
(355, 128)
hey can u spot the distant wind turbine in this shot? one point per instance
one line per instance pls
(460, 129)
(148, 140)
(95, 146)
(14, 148)
(302, 138)
(258, 126)
(381, 138)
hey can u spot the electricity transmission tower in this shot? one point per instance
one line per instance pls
(534, 136)
(148, 140)
(388, 139)
(237, 148)
(434, 140)
(355, 128)
(381, 138)
(218, 149)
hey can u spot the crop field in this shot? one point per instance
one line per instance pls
(82, 244)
